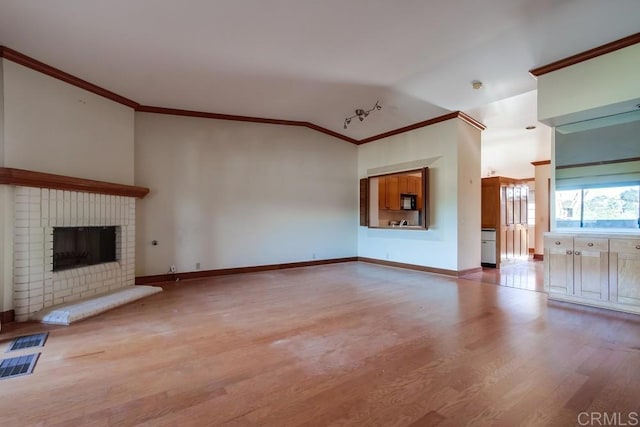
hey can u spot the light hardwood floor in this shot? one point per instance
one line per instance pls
(342, 344)
(521, 273)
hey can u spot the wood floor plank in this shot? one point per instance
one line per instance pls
(340, 345)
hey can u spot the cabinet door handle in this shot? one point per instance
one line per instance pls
(637, 246)
(577, 253)
(558, 242)
(569, 252)
(589, 244)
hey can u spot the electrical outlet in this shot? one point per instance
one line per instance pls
(197, 266)
(172, 268)
(313, 256)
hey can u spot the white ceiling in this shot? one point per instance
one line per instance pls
(319, 60)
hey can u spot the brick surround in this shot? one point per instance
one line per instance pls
(37, 211)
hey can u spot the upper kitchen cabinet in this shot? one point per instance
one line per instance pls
(390, 193)
(490, 202)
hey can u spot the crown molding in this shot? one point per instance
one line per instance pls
(541, 162)
(27, 178)
(470, 120)
(34, 64)
(408, 128)
(205, 115)
(454, 115)
(588, 54)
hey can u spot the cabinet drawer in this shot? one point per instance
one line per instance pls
(591, 244)
(555, 242)
(625, 245)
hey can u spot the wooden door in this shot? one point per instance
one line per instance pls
(393, 192)
(591, 268)
(524, 240)
(509, 205)
(517, 240)
(516, 206)
(558, 266)
(524, 205)
(508, 236)
(624, 271)
(503, 205)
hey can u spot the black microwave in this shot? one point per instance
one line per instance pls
(408, 202)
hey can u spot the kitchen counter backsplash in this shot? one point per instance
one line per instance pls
(388, 218)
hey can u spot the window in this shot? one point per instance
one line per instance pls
(531, 208)
(601, 207)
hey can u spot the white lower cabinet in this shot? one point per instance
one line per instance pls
(624, 272)
(598, 270)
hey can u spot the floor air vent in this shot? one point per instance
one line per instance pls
(16, 366)
(28, 341)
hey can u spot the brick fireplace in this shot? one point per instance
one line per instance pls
(37, 211)
(42, 202)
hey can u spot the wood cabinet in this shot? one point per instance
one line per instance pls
(393, 192)
(598, 270)
(504, 208)
(403, 184)
(591, 267)
(491, 209)
(408, 184)
(389, 192)
(558, 259)
(382, 193)
(390, 188)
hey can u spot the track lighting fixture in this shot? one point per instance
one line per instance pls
(361, 114)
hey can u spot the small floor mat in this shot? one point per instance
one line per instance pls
(28, 341)
(16, 366)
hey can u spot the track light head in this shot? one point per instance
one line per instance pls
(361, 114)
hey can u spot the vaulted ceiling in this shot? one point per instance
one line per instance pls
(318, 61)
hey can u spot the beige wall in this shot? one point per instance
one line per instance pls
(469, 196)
(232, 194)
(51, 126)
(445, 148)
(601, 86)
(542, 175)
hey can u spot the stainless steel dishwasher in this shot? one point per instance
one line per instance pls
(488, 248)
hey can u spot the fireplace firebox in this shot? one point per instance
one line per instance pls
(75, 247)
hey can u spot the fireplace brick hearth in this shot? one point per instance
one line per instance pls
(37, 211)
